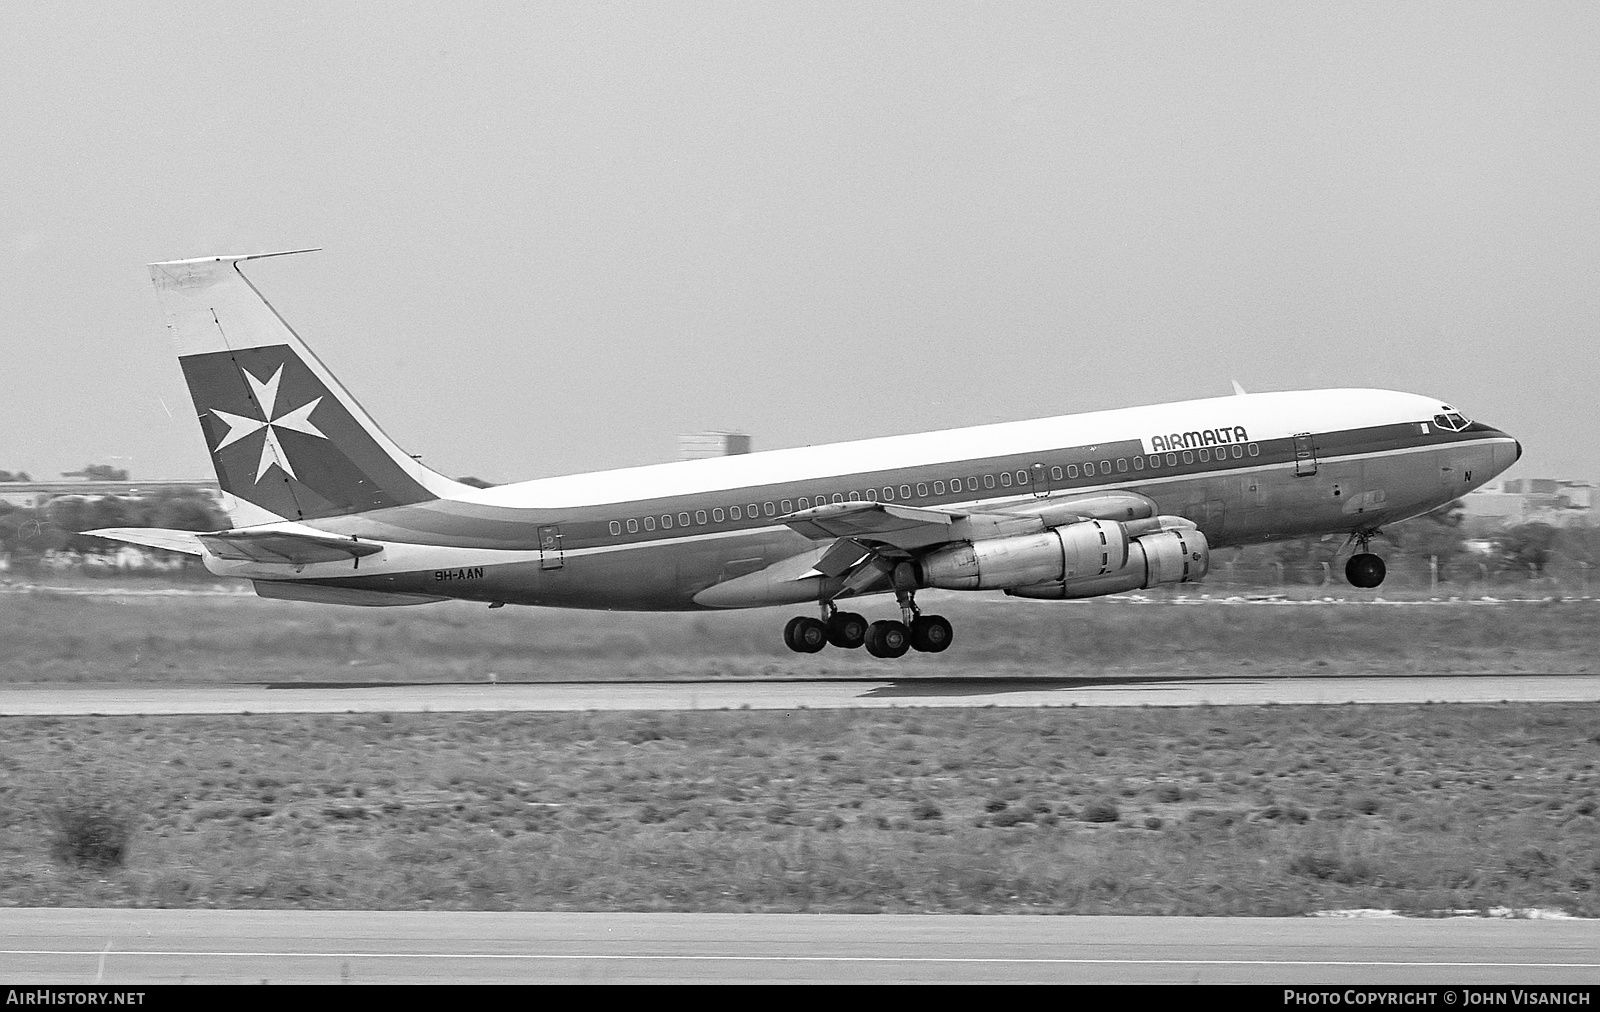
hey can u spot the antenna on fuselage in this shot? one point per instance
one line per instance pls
(1237, 389)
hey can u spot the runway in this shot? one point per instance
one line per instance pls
(125, 699)
(119, 947)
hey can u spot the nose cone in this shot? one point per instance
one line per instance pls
(1506, 450)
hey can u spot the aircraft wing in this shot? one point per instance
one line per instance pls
(882, 523)
(914, 527)
(869, 537)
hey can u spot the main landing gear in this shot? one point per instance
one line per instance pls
(806, 635)
(928, 633)
(1364, 570)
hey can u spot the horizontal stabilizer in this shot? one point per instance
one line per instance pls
(285, 547)
(187, 542)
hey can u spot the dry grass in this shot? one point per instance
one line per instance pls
(128, 637)
(1271, 810)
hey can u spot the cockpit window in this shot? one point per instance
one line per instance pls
(1452, 420)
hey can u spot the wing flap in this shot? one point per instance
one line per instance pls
(841, 557)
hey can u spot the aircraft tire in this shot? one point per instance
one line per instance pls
(1365, 570)
(847, 629)
(931, 633)
(805, 635)
(888, 639)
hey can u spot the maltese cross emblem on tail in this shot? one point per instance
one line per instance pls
(266, 398)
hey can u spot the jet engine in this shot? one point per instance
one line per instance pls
(1086, 550)
(1173, 556)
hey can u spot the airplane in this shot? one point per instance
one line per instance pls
(326, 507)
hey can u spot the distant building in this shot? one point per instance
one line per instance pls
(28, 494)
(1514, 501)
(700, 445)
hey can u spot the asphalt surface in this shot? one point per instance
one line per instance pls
(122, 698)
(89, 946)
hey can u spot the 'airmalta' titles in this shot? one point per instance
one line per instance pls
(1195, 439)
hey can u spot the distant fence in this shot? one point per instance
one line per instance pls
(1464, 577)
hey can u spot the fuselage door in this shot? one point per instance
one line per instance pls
(550, 547)
(1305, 455)
(1041, 484)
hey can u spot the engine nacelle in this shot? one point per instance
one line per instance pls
(1093, 548)
(1177, 556)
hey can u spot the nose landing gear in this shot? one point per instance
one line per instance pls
(1364, 570)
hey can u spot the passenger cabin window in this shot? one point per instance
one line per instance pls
(1205, 456)
(1188, 456)
(666, 521)
(988, 481)
(1022, 477)
(972, 485)
(839, 498)
(1072, 470)
(888, 493)
(735, 512)
(649, 523)
(1238, 451)
(787, 506)
(1105, 467)
(922, 489)
(633, 526)
(1155, 460)
(616, 528)
(769, 509)
(872, 495)
(1005, 479)
(1055, 473)
(752, 511)
(1138, 463)
(938, 488)
(699, 516)
(1122, 463)
(683, 519)
(717, 516)
(1172, 460)
(1254, 450)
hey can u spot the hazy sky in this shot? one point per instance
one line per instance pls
(558, 235)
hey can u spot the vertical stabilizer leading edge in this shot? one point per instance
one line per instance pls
(288, 441)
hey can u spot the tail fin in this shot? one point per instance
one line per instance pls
(285, 437)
